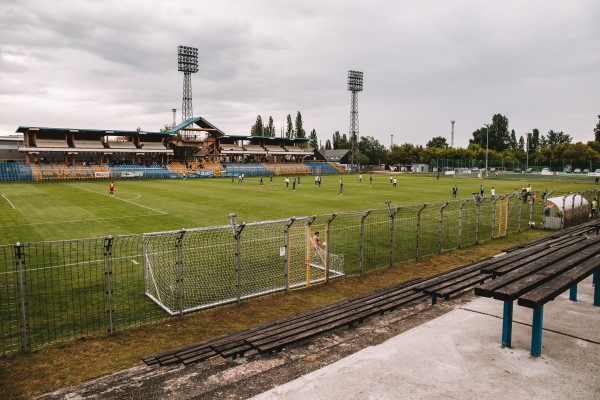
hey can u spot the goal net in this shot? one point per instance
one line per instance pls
(195, 269)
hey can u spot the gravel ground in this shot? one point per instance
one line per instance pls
(255, 373)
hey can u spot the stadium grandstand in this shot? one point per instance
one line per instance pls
(194, 148)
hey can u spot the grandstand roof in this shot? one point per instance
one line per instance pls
(23, 129)
(201, 124)
(274, 138)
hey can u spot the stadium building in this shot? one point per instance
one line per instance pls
(194, 148)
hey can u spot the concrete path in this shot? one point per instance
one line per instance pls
(459, 356)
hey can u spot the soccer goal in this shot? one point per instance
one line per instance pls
(206, 267)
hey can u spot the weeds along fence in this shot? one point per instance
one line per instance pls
(59, 290)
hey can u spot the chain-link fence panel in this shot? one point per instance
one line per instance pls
(10, 311)
(486, 220)
(263, 258)
(128, 304)
(513, 214)
(326, 260)
(376, 231)
(405, 234)
(468, 223)
(449, 238)
(65, 290)
(428, 229)
(344, 239)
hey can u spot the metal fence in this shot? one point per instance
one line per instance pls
(60, 290)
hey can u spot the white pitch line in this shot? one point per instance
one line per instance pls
(126, 201)
(73, 220)
(9, 202)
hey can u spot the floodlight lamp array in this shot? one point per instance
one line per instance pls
(187, 59)
(355, 81)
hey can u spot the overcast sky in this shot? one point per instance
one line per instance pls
(112, 64)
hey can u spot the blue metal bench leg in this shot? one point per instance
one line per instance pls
(536, 334)
(507, 318)
(596, 288)
(433, 299)
(573, 293)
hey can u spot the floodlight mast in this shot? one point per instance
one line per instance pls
(355, 85)
(187, 62)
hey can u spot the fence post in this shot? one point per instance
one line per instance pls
(287, 253)
(362, 241)
(309, 222)
(563, 213)
(441, 227)
(545, 204)
(19, 254)
(460, 222)
(531, 204)
(494, 214)
(327, 238)
(597, 197)
(237, 231)
(477, 209)
(179, 265)
(419, 228)
(520, 211)
(107, 273)
(392, 233)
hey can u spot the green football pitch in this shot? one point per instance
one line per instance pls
(83, 209)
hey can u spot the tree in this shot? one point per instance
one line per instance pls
(336, 140)
(300, 132)
(597, 131)
(328, 144)
(553, 139)
(290, 128)
(513, 140)
(270, 129)
(344, 143)
(493, 136)
(373, 151)
(521, 144)
(257, 128)
(437, 142)
(166, 128)
(313, 139)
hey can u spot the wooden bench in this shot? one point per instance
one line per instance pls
(275, 335)
(539, 278)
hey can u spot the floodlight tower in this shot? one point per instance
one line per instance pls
(187, 61)
(355, 85)
(452, 137)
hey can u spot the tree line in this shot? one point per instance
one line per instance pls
(504, 147)
(555, 148)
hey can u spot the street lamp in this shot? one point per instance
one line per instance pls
(487, 145)
(527, 151)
